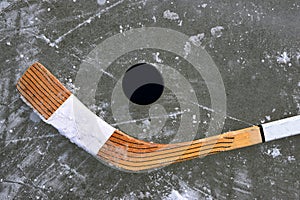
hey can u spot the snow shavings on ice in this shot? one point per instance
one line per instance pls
(274, 152)
(268, 117)
(217, 31)
(186, 192)
(187, 49)
(298, 57)
(296, 97)
(204, 5)
(156, 57)
(283, 58)
(197, 39)
(170, 15)
(176, 195)
(291, 158)
(101, 2)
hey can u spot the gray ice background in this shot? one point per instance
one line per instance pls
(256, 46)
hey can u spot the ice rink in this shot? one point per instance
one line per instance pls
(254, 45)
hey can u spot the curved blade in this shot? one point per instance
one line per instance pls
(57, 106)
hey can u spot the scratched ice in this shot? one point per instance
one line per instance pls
(255, 45)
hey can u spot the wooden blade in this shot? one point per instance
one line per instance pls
(42, 91)
(136, 155)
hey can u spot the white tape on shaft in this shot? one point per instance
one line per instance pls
(282, 128)
(75, 121)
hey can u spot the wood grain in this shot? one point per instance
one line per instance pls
(42, 90)
(135, 155)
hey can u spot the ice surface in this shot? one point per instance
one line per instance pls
(38, 163)
(34, 117)
(4, 4)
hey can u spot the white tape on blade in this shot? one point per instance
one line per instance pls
(75, 121)
(282, 128)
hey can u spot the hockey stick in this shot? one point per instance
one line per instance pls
(57, 106)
